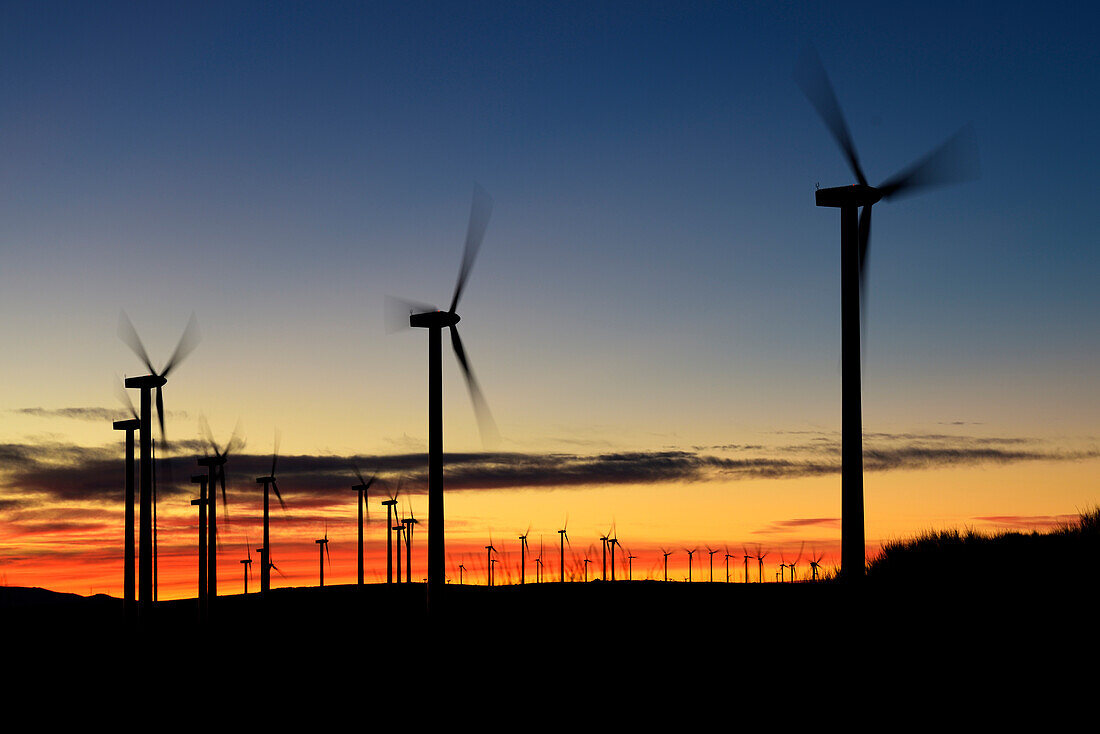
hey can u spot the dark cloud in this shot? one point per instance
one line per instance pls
(66, 472)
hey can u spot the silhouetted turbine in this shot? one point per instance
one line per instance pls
(434, 320)
(364, 501)
(215, 465)
(146, 384)
(954, 160)
(129, 595)
(322, 551)
(265, 553)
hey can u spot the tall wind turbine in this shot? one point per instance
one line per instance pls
(489, 551)
(391, 511)
(563, 538)
(146, 384)
(760, 570)
(815, 564)
(435, 321)
(216, 467)
(691, 554)
(265, 553)
(409, 522)
(747, 557)
(603, 542)
(711, 552)
(128, 562)
(954, 160)
(523, 555)
(364, 501)
(728, 557)
(630, 565)
(666, 553)
(322, 551)
(247, 564)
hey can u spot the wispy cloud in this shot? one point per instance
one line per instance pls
(88, 414)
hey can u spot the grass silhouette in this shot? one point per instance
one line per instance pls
(954, 558)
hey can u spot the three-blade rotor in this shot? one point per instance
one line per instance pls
(187, 343)
(401, 313)
(953, 161)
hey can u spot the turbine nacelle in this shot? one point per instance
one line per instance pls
(146, 381)
(264, 480)
(434, 319)
(130, 424)
(848, 196)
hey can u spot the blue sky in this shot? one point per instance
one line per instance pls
(654, 263)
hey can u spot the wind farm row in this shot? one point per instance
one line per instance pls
(950, 162)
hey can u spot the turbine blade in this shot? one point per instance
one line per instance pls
(129, 335)
(810, 76)
(480, 210)
(124, 397)
(275, 453)
(485, 423)
(864, 253)
(396, 312)
(278, 496)
(160, 418)
(187, 343)
(954, 161)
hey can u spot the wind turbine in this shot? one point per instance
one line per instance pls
(215, 465)
(391, 510)
(265, 553)
(200, 479)
(322, 551)
(523, 555)
(538, 564)
(408, 522)
(612, 542)
(586, 562)
(562, 540)
(667, 553)
(760, 560)
(954, 160)
(691, 554)
(364, 501)
(399, 529)
(747, 557)
(146, 384)
(794, 564)
(435, 321)
(128, 562)
(711, 553)
(728, 557)
(603, 542)
(461, 570)
(630, 565)
(815, 564)
(489, 551)
(247, 564)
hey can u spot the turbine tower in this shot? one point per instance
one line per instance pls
(666, 553)
(954, 160)
(523, 555)
(563, 538)
(215, 465)
(128, 560)
(409, 522)
(322, 551)
(247, 564)
(435, 321)
(391, 511)
(200, 479)
(691, 554)
(146, 384)
(364, 501)
(265, 553)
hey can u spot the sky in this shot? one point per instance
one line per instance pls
(654, 316)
